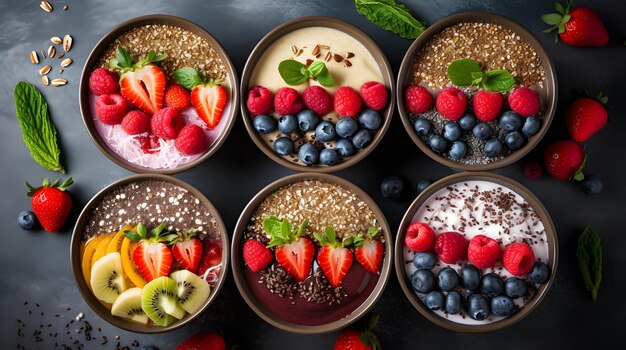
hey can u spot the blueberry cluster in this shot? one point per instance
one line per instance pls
(349, 134)
(480, 295)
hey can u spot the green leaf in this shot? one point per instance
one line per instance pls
(551, 29)
(348, 241)
(133, 236)
(589, 255)
(169, 238)
(497, 81)
(291, 72)
(561, 28)
(566, 18)
(316, 68)
(325, 78)
(188, 77)
(460, 71)
(123, 57)
(38, 132)
(143, 232)
(302, 227)
(373, 231)
(391, 16)
(552, 18)
(330, 234)
(559, 8)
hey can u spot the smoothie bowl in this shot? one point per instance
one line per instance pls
(476, 252)
(311, 253)
(318, 94)
(158, 94)
(476, 91)
(149, 253)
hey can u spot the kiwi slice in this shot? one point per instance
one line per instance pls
(128, 305)
(159, 301)
(192, 290)
(107, 280)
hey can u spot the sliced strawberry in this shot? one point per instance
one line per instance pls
(188, 252)
(369, 251)
(334, 258)
(293, 252)
(152, 257)
(209, 101)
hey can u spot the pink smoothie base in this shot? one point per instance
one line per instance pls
(165, 156)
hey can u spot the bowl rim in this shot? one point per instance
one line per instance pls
(93, 302)
(551, 86)
(529, 197)
(236, 260)
(117, 31)
(328, 22)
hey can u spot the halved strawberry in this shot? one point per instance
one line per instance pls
(207, 97)
(152, 257)
(334, 258)
(369, 251)
(187, 250)
(293, 252)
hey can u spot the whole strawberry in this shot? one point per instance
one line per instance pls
(579, 27)
(203, 341)
(565, 160)
(350, 339)
(586, 116)
(51, 203)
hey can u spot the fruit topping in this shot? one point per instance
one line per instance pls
(256, 255)
(370, 119)
(423, 281)
(177, 97)
(333, 257)
(51, 203)
(424, 260)
(491, 284)
(292, 251)
(524, 101)
(211, 260)
(417, 99)
(540, 273)
(502, 306)
(191, 140)
(128, 305)
(419, 237)
(434, 300)
(103, 82)
(287, 101)
(447, 279)
(347, 102)
(515, 287)
(107, 280)
(450, 247)
(317, 99)
(369, 250)
(487, 105)
(152, 256)
(374, 95)
(191, 290)
(136, 122)
(264, 123)
(159, 301)
(451, 103)
(483, 251)
(259, 100)
(469, 276)
(166, 123)
(518, 259)
(187, 250)
(208, 97)
(110, 109)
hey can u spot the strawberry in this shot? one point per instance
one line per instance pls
(142, 83)
(334, 258)
(177, 96)
(565, 160)
(152, 257)
(256, 255)
(350, 339)
(208, 98)
(293, 252)
(51, 203)
(579, 27)
(211, 256)
(187, 250)
(203, 341)
(586, 116)
(369, 250)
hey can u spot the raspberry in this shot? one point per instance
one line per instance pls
(487, 105)
(524, 101)
(166, 123)
(533, 171)
(347, 102)
(374, 95)
(191, 140)
(110, 109)
(419, 237)
(259, 100)
(483, 251)
(417, 99)
(102, 82)
(451, 103)
(136, 122)
(518, 259)
(287, 101)
(450, 247)
(256, 255)
(178, 97)
(317, 99)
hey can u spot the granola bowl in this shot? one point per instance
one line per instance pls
(476, 289)
(162, 129)
(129, 279)
(304, 285)
(473, 137)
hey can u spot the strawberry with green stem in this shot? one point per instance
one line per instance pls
(586, 116)
(293, 251)
(334, 257)
(565, 160)
(369, 250)
(51, 203)
(152, 256)
(187, 250)
(578, 26)
(208, 97)
(351, 339)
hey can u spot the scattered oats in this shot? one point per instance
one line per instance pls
(33, 57)
(45, 5)
(52, 51)
(58, 82)
(66, 62)
(45, 80)
(56, 40)
(67, 43)
(45, 70)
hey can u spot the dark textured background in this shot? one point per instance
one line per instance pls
(35, 266)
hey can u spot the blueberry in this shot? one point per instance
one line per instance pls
(467, 122)
(458, 150)
(515, 287)
(514, 140)
(422, 126)
(478, 308)
(437, 143)
(362, 138)
(26, 220)
(307, 120)
(424, 260)
(370, 119)
(287, 124)
(325, 131)
(344, 147)
(491, 284)
(452, 131)
(421, 186)
(447, 279)
(493, 148)
(453, 303)
(308, 154)
(469, 276)
(329, 156)
(346, 127)
(434, 300)
(510, 121)
(502, 306)
(531, 126)
(423, 281)
(283, 146)
(540, 273)
(392, 187)
(592, 184)
(482, 131)
(264, 124)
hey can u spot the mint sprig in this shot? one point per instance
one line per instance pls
(467, 72)
(391, 16)
(125, 62)
(589, 255)
(281, 231)
(296, 73)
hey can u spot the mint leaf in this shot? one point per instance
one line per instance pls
(330, 233)
(373, 231)
(589, 255)
(316, 68)
(391, 16)
(460, 72)
(291, 72)
(38, 132)
(497, 81)
(188, 77)
(325, 78)
(123, 57)
(302, 227)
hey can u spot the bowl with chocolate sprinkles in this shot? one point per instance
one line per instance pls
(480, 209)
(132, 253)
(495, 44)
(308, 298)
